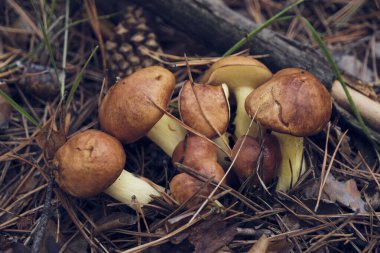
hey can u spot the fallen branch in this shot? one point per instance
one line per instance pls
(218, 27)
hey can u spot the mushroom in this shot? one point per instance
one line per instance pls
(91, 162)
(247, 158)
(193, 149)
(242, 74)
(183, 186)
(133, 108)
(204, 108)
(294, 104)
(196, 152)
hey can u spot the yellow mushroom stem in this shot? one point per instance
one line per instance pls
(292, 164)
(166, 133)
(132, 190)
(223, 158)
(242, 119)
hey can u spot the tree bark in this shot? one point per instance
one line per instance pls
(219, 28)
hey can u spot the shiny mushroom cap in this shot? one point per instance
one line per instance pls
(183, 186)
(246, 162)
(192, 149)
(292, 102)
(237, 71)
(204, 108)
(127, 111)
(88, 163)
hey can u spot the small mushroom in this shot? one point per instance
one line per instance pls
(183, 186)
(242, 74)
(201, 155)
(192, 149)
(204, 108)
(131, 110)
(293, 104)
(91, 162)
(247, 158)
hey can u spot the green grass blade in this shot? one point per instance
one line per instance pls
(21, 110)
(52, 10)
(78, 78)
(253, 33)
(335, 68)
(47, 45)
(65, 43)
(59, 32)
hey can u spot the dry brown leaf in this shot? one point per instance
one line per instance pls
(40, 81)
(344, 193)
(280, 246)
(261, 246)
(50, 141)
(211, 235)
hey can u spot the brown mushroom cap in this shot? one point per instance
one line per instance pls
(246, 162)
(88, 163)
(127, 111)
(214, 104)
(192, 149)
(293, 102)
(183, 186)
(237, 71)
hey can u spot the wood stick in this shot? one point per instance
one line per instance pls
(218, 27)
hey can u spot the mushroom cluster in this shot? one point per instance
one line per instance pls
(286, 106)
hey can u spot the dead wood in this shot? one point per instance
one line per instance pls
(218, 27)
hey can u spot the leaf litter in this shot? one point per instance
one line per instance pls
(290, 220)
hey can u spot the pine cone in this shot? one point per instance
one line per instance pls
(132, 34)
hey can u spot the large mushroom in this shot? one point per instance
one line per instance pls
(92, 162)
(133, 107)
(294, 104)
(242, 74)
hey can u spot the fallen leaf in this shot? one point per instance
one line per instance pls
(280, 246)
(261, 246)
(211, 235)
(344, 193)
(40, 81)
(50, 141)
(5, 108)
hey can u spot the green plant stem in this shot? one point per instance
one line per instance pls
(65, 42)
(260, 28)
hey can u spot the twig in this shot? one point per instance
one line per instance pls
(42, 225)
